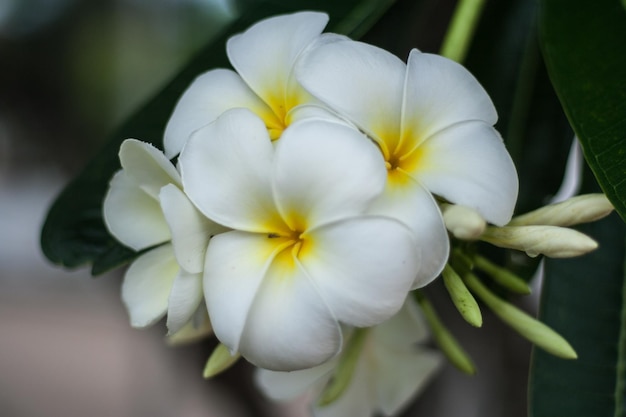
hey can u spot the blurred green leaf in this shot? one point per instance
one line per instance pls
(74, 233)
(584, 44)
(583, 299)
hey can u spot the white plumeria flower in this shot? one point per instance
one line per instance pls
(433, 124)
(302, 255)
(392, 369)
(145, 209)
(263, 57)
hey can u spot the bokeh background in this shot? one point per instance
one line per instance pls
(70, 71)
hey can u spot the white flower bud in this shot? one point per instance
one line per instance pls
(552, 241)
(463, 222)
(580, 209)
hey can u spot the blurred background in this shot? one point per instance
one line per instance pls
(73, 70)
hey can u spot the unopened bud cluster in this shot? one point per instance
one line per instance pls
(544, 231)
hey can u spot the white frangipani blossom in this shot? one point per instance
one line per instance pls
(433, 123)
(303, 256)
(145, 209)
(391, 370)
(263, 57)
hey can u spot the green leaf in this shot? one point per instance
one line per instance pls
(583, 299)
(584, 44)
(74, 233)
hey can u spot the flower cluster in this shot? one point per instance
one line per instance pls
(310, 197)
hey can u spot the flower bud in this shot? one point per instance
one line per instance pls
(461, 297)
(552, 241)
(580, 209)
(220, 360)
(463, 222)
(530, 328)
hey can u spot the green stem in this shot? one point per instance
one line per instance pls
(345, 368)
(502, 276)
(461, 29)
(444, 339)
(530, 328)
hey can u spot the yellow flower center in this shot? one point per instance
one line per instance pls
(404, 160)
(290, 234)
(293, 245)
(278, 119)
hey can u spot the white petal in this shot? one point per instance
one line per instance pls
(281, 386)
(184, 299)
(132, 216)
(289, 326)
(147, 166)
(363, 267)
(296, 95)
(226, 168)
(325, 171)
(199, 327)
(405, 200)
(358, 400)
(439, 93)
(314, 111)
(361, 82)
(403, 330)
(402, 375)
(236, 263)
(468, 164)
(190, 229)
(264, 54)
(207, 97)
(147, 285)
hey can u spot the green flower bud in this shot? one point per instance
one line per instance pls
(219, 361)
(461, 297)
(530, 328)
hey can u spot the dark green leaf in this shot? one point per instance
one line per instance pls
(74, 233)
(584, 44)
(583, 299)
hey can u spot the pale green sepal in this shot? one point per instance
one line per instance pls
(444, 339)
(502, 276)
(461, 297)
(345, 368)
(189, 334)
(530, 328)
(219, 361)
